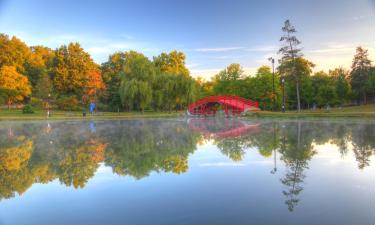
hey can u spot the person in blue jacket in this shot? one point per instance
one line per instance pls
(92, 107)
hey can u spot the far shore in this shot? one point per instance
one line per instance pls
(366, 111)
(16, 114)
(358, 112)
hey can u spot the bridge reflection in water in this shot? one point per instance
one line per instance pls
(221, 128)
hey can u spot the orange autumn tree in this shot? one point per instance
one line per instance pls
(94, 87)
(13, 85)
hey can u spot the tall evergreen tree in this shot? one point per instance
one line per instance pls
(290, 52)
(361, 69)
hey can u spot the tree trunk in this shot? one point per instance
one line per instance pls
(9, 102)
(364, 98)
(298, 98)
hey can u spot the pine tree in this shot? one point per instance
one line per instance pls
(290, 52)
(361, 69)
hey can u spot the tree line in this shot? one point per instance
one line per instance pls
(68, 78)
(294, 76)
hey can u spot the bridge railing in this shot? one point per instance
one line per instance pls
(247, 102)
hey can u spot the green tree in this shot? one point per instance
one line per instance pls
(361, 69)
(342, 85)
(262, 88)
(111, 72)
(303, 68)
(371, 83)
(290, 53)
(43, 87)
(38, 63)
(136, 81)
(324, 90)
(173, 62)
(227, 81)
(179, 89)
(135, 92)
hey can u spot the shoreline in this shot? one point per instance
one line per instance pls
(348, 113)
(61, 115)
(292, 115)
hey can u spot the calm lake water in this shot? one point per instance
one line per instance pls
(197, 171)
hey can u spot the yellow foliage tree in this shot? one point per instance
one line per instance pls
(13, 85)
(15, 157)
(94, 87)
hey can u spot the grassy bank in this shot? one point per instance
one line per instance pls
(16, 114)
(367, 111)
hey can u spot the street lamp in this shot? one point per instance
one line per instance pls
(272, 60)
(283, 89)
(48, 104)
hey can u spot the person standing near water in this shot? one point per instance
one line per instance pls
(92, 108)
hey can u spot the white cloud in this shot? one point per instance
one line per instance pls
(120, 45)
(264, 59)
(263, 48)
(193, 65)
(126, 36)
(98, 50)
(332, 50)
(361, 17)
(205, 73)
(225, 49)
(98, 47)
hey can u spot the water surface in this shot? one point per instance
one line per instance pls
(196, 171)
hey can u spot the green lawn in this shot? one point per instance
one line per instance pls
(367, 111)
(16, 114)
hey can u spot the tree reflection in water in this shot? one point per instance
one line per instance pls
(295, 141)
(232, 137)
(73, 151)
(296, 150)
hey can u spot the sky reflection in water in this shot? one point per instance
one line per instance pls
(196, 171)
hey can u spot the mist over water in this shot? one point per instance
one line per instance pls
(193, 171)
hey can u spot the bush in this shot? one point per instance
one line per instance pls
(68, 103)
(28, 109)
(2, 99)
(102, 107)
(37, 103)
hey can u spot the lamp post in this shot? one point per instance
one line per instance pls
(48, 104)
(272, 60)
(283, 89)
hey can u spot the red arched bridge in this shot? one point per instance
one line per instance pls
(231, 105)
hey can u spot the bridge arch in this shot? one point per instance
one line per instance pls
(231, 105)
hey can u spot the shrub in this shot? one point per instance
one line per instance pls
(27, 109)
(37, 103)
(68, 103)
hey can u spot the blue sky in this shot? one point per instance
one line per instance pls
(212, 33)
